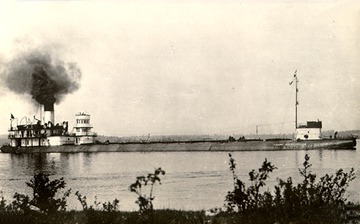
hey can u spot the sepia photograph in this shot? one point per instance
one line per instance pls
(189, 111)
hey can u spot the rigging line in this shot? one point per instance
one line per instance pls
(264, 124)
(253, 125)
(243, 129)
(38, 111)
(275, 123)
(275, 130)
(333, 117)
(235, 128)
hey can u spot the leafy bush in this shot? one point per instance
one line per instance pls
(3, 206)
(44, 192)
(108, 214)
(43, 196)
(42, 207)
(145, 201)
(106, 206)
(307, 202)
(242, 199)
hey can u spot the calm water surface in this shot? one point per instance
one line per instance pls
(193, 180)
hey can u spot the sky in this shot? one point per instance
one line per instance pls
(191, 67)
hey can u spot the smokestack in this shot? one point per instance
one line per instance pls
(49, 114)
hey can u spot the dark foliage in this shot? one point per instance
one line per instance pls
(145, 201)
(307, 202)
(42, 207)
(44, 192)
(92, 215)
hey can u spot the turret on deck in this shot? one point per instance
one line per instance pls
(83, 132)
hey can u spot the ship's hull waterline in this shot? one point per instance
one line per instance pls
(257, 145)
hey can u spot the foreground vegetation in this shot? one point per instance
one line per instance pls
(310, 201)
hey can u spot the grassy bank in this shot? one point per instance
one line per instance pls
(312, 200)
(97, 217)
(171, 216)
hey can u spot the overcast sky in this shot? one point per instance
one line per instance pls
(192, 67)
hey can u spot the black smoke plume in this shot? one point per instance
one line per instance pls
(47, 80)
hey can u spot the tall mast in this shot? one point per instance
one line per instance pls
(296, 98)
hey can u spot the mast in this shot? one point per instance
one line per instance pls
(296, 97)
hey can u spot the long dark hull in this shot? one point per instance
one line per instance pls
(246, 145)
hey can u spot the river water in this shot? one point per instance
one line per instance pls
(193, 180)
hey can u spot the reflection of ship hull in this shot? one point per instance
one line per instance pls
(245, 145)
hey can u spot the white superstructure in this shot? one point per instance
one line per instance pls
(35, 133)
(309, 131)
(83, 133)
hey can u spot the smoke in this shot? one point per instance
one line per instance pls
(37, 74)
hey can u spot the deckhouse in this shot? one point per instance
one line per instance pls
(44, 132)
(309, 131)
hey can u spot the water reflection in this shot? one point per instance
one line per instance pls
(190, 177)
(31, 163)
(320, 155)
(87, 160)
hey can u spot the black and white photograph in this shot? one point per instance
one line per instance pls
(181, 112)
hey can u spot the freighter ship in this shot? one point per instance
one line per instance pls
(43, 135)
